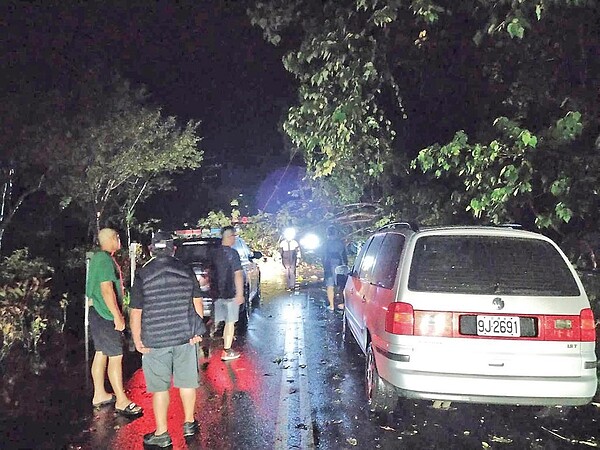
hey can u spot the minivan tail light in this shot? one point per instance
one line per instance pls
(588, 325)
(433, 323)
(400, 318)
(580, 328)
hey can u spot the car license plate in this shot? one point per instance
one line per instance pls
(498, 326)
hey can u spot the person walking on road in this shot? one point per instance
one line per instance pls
(166, 324)
(104, 293)
(229, 288)
(334, 255)
(290, 251)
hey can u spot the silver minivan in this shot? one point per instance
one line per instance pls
(470, 314)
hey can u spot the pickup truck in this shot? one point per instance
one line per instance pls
(197, 248)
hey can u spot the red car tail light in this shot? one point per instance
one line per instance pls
(433, 323)
(400, 318)
(588, 325)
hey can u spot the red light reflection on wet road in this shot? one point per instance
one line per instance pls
(216, 381)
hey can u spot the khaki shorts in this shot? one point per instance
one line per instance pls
(226, 310)
(179, 363)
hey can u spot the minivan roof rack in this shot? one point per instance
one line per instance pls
(399, 225)
(516, 226)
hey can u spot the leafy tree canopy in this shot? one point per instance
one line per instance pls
(380, 80)
(120, 150)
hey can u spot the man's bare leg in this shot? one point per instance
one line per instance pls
(115, 376)
(188, 399)
(98, 373)
(228, 331)
(330, 296)
(160, 403)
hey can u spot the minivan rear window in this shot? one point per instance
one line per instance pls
(490, 265)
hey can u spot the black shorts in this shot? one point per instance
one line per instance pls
(106, 339)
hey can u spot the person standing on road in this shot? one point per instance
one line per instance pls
(334, 254)
(104, 292)
(290, 251)
(166, 324)
(229, 288)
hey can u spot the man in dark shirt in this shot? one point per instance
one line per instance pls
(230, 289)
(166, 324)
(334, 254)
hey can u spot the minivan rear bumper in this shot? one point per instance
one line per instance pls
(505, 390)
(490, 399)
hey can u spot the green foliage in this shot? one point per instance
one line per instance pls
(261, 233)
(120, 150)
(25, 312)
(20, 267)
(339, 124)
(380, 79)
(215, 219)
(519, 171)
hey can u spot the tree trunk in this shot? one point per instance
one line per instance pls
(6, 194)
(8, 210)
(128, 226)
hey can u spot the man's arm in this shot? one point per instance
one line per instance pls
(199, 306)
(239, 286)
(135, 323)
(344, 255)
(108, 294)
(136, 305)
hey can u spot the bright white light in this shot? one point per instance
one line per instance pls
(368, 261)
(289, 234)
(310, 242)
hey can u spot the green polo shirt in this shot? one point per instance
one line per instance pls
(103, 268)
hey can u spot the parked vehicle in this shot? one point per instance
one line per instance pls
(197, 248)
(470, 314)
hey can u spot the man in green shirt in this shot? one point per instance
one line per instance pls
(104, 290)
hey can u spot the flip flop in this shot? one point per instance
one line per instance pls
(131, 410)
(110, 401)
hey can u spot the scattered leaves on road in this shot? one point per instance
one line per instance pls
(352, 441)
(590, 443)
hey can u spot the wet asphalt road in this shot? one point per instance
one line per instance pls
(299, 384)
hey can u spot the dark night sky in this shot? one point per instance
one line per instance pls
(200, 60)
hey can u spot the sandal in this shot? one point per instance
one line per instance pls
(131, 410)
(110, 401)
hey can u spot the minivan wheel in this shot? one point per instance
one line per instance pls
(381, 395)
(345, 328)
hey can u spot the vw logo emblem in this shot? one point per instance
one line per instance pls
(498, 303)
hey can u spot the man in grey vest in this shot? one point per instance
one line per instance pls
(166, 324)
